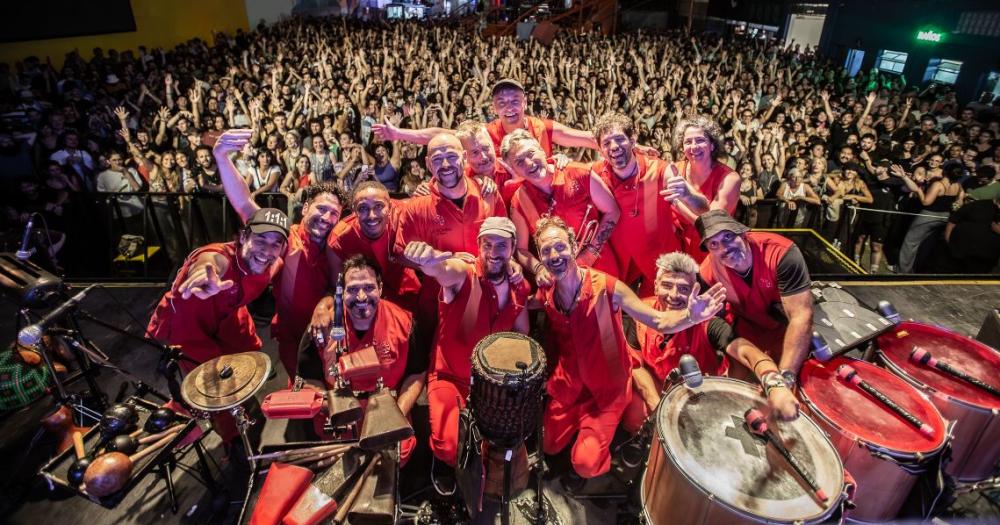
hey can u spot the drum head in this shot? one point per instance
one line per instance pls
(509, 353)
(858, 414)
(965, 354)
(703, 433)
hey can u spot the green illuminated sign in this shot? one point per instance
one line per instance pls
(929, 36)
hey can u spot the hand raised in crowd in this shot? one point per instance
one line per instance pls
(423, 254)
(203, 282)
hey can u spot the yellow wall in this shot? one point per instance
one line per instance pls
(158, 23)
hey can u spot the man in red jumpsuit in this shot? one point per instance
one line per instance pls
(709, 343)
(591, 384)
(573, 194)
(476, 300)
(699, 182)
(371, 321)
(767, 287)
(302, 280)
(647, 225)
(205, 313)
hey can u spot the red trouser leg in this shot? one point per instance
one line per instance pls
(635, 414)
(560, 422)
(446, 399)
(591, 454)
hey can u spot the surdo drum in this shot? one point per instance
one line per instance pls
(705, 467)
(975, 447)
(880, 449)
(508, 379)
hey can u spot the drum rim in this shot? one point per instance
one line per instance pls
(740, 512)
(893, 452)
(924, 387)
(538, 372)
(670, 456)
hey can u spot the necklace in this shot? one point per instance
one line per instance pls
(576, 296)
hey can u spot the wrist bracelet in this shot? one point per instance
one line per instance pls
(763, 360)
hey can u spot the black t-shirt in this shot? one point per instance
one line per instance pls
(792, 272)
(973, 239)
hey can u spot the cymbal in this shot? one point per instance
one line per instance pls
(226, 381)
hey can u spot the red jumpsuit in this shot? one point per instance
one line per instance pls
(473, 314)
(647, 227)
(298, 286)
(539, 128)
(661, 357)
(390, 336)
(710, 189)
(591, 384)
(209, 328)
(751, 311)
(570, 200)
(399, 283)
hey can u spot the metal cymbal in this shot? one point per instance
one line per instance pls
(226, 381)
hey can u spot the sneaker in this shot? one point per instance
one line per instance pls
(873, 269)
(442, 477)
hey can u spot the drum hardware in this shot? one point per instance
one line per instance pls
(384, 423)
(757, 424)
(224, 384)
(820, 348)
(923, 357)
(849, 375)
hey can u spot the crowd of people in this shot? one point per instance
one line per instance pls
(812, 145)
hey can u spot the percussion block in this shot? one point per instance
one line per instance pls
(289, 404)
(989, 333)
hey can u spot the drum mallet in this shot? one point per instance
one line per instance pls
(923, 357)
(849, 375)
(757, 424)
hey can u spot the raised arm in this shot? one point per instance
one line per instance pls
(448, 270)
(566, 136)
(233, 184)
(387, 131)
(700, 308)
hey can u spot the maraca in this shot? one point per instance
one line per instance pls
(109, 472)
(77, 469)
(159, 420)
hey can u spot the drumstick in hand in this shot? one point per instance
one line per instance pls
(758, 425)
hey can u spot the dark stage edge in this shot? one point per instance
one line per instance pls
(957, 305)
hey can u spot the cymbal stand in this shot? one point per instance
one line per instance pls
(244, 422)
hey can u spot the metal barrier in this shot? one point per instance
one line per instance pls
(145, 236)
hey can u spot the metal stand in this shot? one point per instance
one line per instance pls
(243, 422)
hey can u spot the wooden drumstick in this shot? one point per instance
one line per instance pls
(348, 502)
(287, 454)
(312, 458)
(153, 437)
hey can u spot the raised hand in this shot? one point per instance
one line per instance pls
(702, 307)
(121, 114)
(163, 114)
(203, 282)
(386, 130)
(423, 254)
(232, 140)
(676, 189)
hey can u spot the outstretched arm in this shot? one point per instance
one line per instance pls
(387, 131)
(232, 183)
(700, 308)
(566, 136)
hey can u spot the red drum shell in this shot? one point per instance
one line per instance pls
(858, 424)
(976, 437)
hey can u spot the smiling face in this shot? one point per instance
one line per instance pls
(731, 250)
(446, 160)
(616, 146)
(259, 250)
(481, 155)
(673, 289)
(320, 214)
(371, 206)
(362, 293)
(697, 146)
(556, 252)
(494, 255)
(509, 105)
(527, 159)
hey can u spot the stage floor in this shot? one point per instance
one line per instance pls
(25, 499)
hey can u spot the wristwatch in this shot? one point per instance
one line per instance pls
(772, 380)
(790, 378)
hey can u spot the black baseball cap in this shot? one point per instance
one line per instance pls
(506, 83)
(715, 221)
(269, 220)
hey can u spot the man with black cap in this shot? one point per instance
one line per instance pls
(767, 287)
(205, 312)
